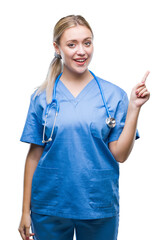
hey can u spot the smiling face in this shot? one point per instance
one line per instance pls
(76, 49)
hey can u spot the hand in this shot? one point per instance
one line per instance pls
(24, 227)
(140, 93)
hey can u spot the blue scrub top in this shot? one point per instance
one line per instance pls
(77, 175)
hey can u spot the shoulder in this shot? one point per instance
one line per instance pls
(38, 101)
(38, 98)
(111, 88)
(116, 97)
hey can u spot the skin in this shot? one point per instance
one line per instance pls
(75, 77)
(123, 146)
(76, 42)
(32, 159)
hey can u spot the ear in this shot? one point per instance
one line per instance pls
(56, 48)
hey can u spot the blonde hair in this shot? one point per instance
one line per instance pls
(56, 65)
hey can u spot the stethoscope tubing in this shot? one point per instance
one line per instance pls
(99, 85)
(109, 121)
(102, 93)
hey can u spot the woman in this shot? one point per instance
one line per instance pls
(80, 127)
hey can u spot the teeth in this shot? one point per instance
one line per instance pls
(80, 60)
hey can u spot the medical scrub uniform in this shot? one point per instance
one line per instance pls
(77, 177)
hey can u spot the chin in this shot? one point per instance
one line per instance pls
(76, 69)
(80, 70)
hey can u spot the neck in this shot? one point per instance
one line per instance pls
(73, 76)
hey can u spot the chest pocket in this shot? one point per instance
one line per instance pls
(98, 126)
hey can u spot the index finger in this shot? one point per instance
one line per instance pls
(145, 77)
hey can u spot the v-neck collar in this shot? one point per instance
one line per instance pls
(70, 96)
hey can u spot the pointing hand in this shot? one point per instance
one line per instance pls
(140, 93)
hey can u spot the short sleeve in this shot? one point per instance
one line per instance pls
(120, 117)
(33, 129)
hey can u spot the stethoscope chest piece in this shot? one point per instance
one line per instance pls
(110, 122)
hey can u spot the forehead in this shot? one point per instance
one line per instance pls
(77, 33)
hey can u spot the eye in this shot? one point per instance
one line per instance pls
(71, 45)
(88, 43)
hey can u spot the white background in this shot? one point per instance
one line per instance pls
(130, 38)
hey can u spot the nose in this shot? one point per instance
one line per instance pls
(80, 50)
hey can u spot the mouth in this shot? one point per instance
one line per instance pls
(80, 61)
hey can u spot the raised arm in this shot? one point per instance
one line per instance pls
(123, 146)
(32, 159)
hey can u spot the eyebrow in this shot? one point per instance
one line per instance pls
(73, 40)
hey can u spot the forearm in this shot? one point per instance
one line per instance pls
(123, 146)
(126, 140)
(32, 160)
(30, 166)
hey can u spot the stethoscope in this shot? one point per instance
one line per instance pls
(110, 121)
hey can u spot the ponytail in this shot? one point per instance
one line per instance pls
(54, 70)
(56, 64)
